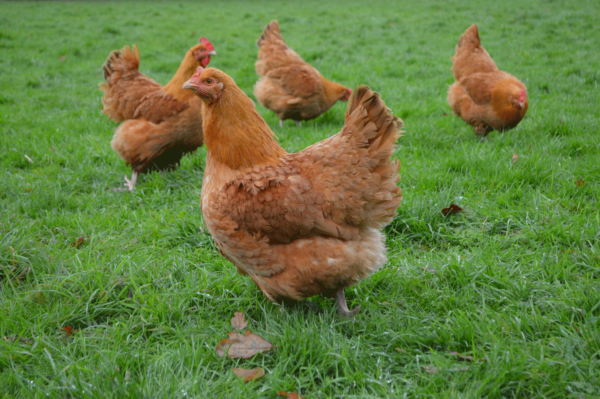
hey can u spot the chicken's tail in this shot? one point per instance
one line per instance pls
(270, 34)
(273, 51)
(122, 90)
(120, 62)
(470, 56)
(469, 39)
(377, 130)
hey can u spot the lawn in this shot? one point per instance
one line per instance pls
(124, 295)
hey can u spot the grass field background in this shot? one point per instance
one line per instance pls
(513, 281)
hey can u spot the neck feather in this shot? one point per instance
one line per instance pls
(186, 70)
(236, 135)
(332, 91)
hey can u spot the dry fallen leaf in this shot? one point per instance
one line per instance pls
(243, 346)
(400, 350)
(580, 183)
(466, 358)
(238, 322)
(69, 330)
(78, 243)
(62, 57)
(249, 375)
(453, 208)
(432, 271)
(290, 395)
(431, 369)
(515, 158)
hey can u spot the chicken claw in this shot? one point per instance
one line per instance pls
(342, 306)
(130, 184)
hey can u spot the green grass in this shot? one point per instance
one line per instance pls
(514, 279)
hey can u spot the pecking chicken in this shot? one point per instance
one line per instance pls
(298, 224)
(162, 123)
(288, 85)
(482, 95)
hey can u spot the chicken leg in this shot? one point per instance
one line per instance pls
(281, 123)
(130, 184)
(342, 306)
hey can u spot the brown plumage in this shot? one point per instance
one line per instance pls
(288, 85)
(161, 124)
(298, 224)
(482, 95)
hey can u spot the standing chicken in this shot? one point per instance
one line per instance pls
(299, 224)
(482, 95)
(288, 85)
(162, 123)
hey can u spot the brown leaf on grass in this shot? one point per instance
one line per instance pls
(77, 244)
(290, 395)
(400, 350)
(21, 340)
(243, 346)
(238, 322)
(69, 330)
(430, 270)
(580, 183)
(453, 208)
(466, 358)
(431, 369)
(515, 158)
(249, 375)
(62, 57)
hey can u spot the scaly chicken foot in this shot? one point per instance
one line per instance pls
(480, 130)
(281, 123)
(130, 184)
(342, 306)
(298, 123)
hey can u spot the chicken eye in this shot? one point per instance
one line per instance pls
(209, 81)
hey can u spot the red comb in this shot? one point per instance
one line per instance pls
(208, 44)
(199, 71)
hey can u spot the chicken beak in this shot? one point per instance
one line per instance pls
(190, 84)
(212, 52)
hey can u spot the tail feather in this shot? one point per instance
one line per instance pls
(270, 33)
(469, 39)
(273, 50)
(388, 127)
(371, 118)
(470, 56)
(125, 86)
(120, 62)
